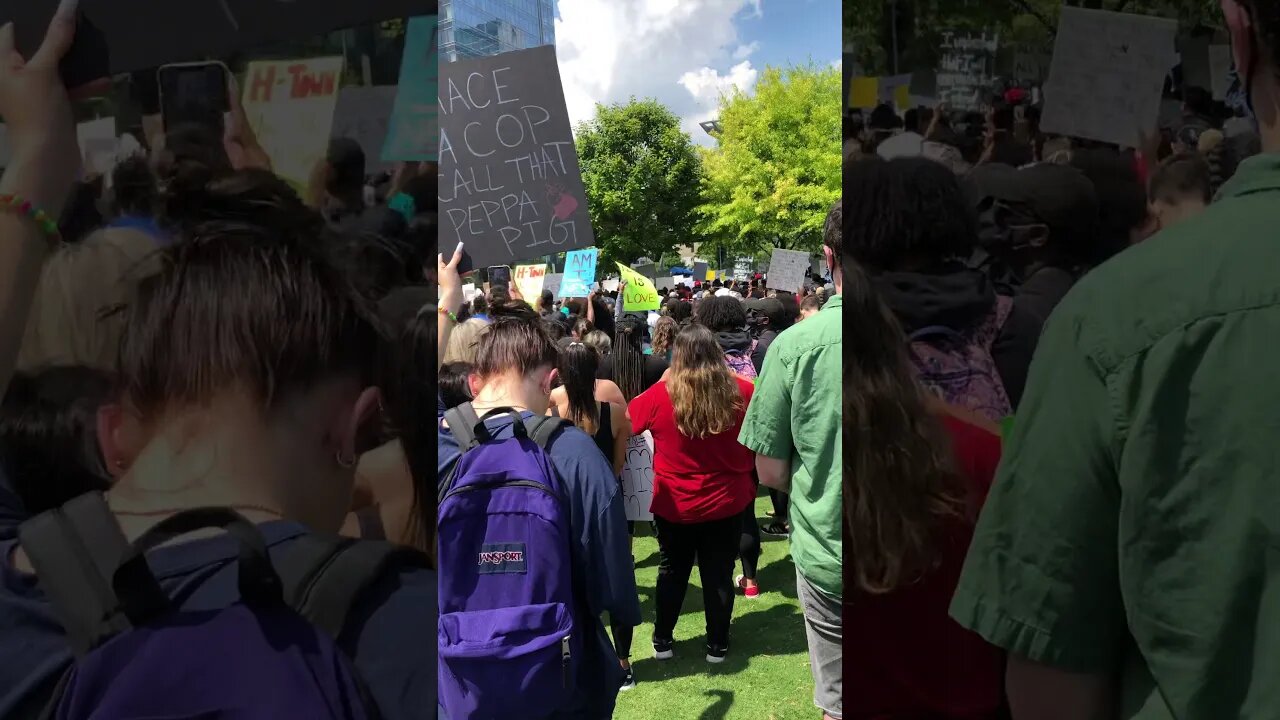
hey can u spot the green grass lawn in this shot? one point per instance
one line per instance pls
(765, 677)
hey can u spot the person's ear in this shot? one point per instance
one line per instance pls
(364, 410)
(473, 384)
(545, 387)
(120, 438)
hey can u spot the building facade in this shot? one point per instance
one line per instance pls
(477, 28)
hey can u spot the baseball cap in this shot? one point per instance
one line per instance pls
(1059, 196)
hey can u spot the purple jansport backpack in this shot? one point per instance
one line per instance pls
(740, 362)
(958, 366)
(272, 655)
(508, 643)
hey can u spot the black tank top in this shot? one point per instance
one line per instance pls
(604, 430)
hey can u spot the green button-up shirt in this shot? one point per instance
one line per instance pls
(795, 415)
(1134, 526)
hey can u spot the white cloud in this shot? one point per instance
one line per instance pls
(745, 51)
(610, 50)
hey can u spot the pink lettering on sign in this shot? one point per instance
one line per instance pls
(307, 84)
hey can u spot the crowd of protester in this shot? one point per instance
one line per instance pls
(1056, 401)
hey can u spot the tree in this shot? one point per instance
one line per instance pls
(641, 176)
(869, 24)
(775, 172)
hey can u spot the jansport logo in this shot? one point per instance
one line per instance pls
(497, 558)
(501, 559)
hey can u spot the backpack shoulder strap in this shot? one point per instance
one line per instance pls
(542, 428)
(324, 576)
(75, 551)
(462, 423)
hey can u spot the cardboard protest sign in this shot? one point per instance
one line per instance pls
(1220, 66)
(787, 270)
(640, 294)
(637, 477)
(529, 280)
(966, 69)
(510, 185)
(363, 114)
(144, 34)
(552, 282)
(1107, 75)
(414, 132)
(579, 272)
(290, 105)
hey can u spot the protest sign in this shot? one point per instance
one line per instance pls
(742, 268)
(640, 294)
(413, 134)
(552, 283)
(896, 89)
(648, 270)
(1220, 66)
(579, 272)
(363, 114)
(1107, 75)
(144, 34)
(529, 280)
(290, 104)
(510, 186)
(97, 145)
(637, 477)
(966, 69)
(1030, 66)
(610, 285)
(863, 92)
(687, 281)
(469, 291)
(787, 269)
(700, 271)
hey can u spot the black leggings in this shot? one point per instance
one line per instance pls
(781, 504)
(749, 542)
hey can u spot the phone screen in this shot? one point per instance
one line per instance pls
(499, 275)
(194, 95)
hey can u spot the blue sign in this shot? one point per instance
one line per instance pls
(414, 132)
(579, 272)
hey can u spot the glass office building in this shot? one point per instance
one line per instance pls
(476, 28)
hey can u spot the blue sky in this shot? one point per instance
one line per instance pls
(685, 53)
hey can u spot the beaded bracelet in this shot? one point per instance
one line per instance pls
(449, 314)
(17, 203)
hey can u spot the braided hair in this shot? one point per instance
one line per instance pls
(628, 357)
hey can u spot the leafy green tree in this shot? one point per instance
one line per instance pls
(775, 172)
(869, 24)
(641, 176)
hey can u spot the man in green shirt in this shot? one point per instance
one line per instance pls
(1128, 557)
(793, 425)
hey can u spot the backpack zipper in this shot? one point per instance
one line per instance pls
(493, 485)
(564, 661)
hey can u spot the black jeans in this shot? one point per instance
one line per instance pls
(714, 546)
(622, 635)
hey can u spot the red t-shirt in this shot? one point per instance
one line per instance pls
(908, 659)
(694, 480)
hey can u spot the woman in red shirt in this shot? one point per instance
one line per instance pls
(916, 473)
(701, 482)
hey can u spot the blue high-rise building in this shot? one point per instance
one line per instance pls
(476, 28)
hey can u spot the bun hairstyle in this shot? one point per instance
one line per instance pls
(250, 296)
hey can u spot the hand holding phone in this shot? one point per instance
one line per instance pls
(499, 275)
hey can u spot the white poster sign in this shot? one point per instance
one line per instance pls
(637, 477)
(97, 145)
(552, 282)
(787, 269)
(1107, 75)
